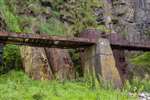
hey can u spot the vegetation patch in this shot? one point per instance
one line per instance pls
(17, 86)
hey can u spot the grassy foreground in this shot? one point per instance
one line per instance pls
(15, 85)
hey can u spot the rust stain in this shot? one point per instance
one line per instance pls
(44, 40)
(90, 37)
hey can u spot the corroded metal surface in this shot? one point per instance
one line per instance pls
(116, 41)
(44, 40)
(61, 63)
(121, 63)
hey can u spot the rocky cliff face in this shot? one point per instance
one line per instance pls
(131, 18)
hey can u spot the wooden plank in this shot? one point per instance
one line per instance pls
(61, 63)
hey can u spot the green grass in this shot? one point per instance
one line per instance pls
(138, 85)
(142, 59)
(15, 85)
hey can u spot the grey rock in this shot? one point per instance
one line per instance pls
(144, 96)
(148, 98)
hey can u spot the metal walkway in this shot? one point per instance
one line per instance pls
(44, 40)
(119, 42)
(36, 40)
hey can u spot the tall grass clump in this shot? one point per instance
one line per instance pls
(137, 86)
(17, 86)
(11, 54)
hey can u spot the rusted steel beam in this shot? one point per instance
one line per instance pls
(44, 40)
(118, 42)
